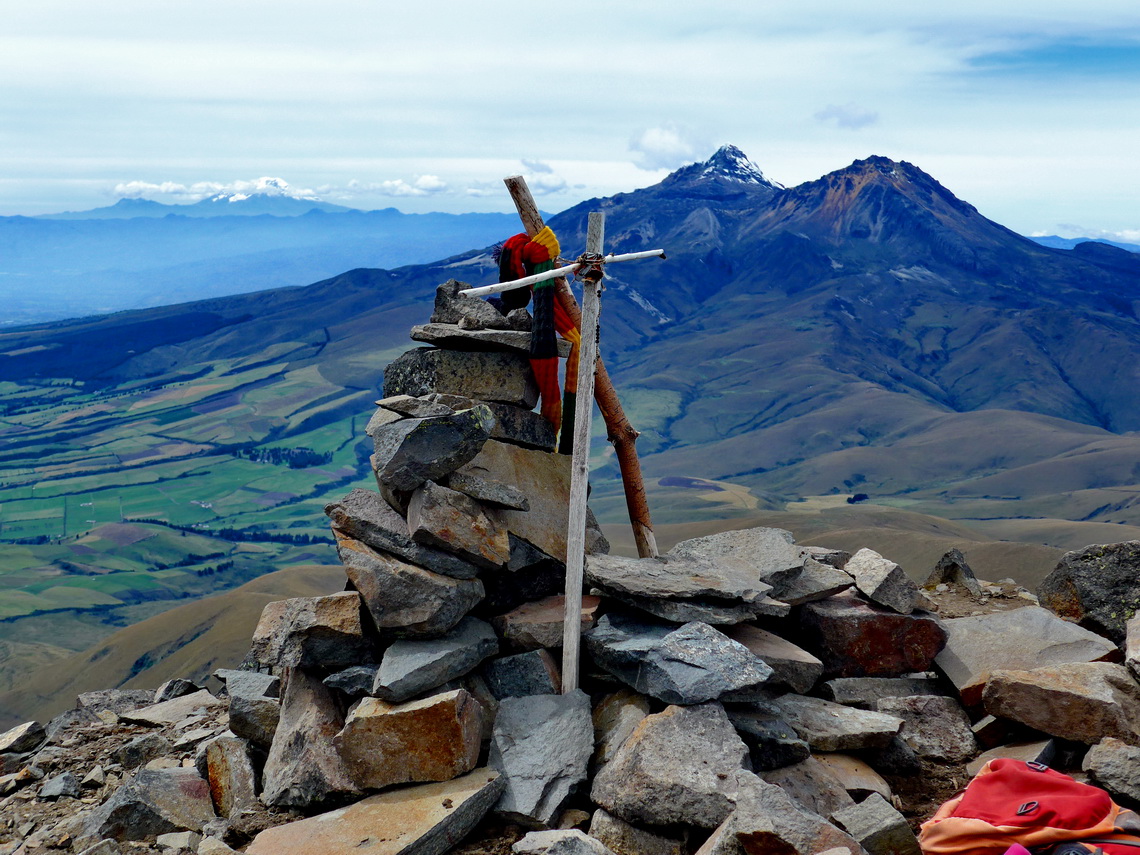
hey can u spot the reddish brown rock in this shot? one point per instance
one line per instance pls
(856, 639)
(539, 624)
(435, 739)
(429, 819)
(229, 772)
(447, 519)
(312, 632)
(1084, 702)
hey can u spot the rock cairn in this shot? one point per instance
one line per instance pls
(740, 694)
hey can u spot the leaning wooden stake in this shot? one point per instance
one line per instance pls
(580, 462)
(620, 432)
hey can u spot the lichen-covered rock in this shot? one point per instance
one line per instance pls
(486, 376)
(1097, 587)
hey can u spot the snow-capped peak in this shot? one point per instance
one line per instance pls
(264, 186)
(731, 163)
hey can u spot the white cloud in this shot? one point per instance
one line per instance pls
(848, 115)
(666, 147)
(536, 166)
(265, 186)
(424, 185)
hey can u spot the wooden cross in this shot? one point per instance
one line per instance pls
(590, 266)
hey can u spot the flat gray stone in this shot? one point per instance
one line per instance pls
(413, 666)
(303, 769)
(1097, 587)
(495, 494)
(675, 578)
(487, 376)
(405, 601)
(532, 673)
(683, 665)
(683, 765)
(414, 408)
(766, 555)
(64, 784)
(1084, 702)
(311, 632)
(686, 611)
(1115, 765)
(363, 515)
(173, 711)
(766, 820)
(412, 451)
(449, 520)
(791, 665)
(1021, 639)
(428, 819)
(817, 581)
(515, 425)
(542, 746)
(453, 337)
(153, 802)
(934, 726)
(878, 827)
(882, 581)
(826, 726)
(562, 841)
(865, 692)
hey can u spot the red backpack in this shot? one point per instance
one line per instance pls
(1013, 802)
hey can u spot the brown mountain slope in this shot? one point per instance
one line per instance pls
(190, 641)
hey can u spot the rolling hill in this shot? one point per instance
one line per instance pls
(867, 332)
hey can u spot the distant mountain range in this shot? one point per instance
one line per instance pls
(865, 332)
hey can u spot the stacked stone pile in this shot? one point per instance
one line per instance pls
(740, 694)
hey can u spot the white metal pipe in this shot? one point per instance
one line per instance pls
(486, 290)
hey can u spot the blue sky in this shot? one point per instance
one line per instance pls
(1028, 110)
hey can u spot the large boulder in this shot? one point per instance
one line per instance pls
(683, 765)
(1097, 587)
(679, 665)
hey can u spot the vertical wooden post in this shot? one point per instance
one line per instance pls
(580, 461)
(620, 432)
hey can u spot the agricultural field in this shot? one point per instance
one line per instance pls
(117, 501)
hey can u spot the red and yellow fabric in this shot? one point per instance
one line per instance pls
(524, 256)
